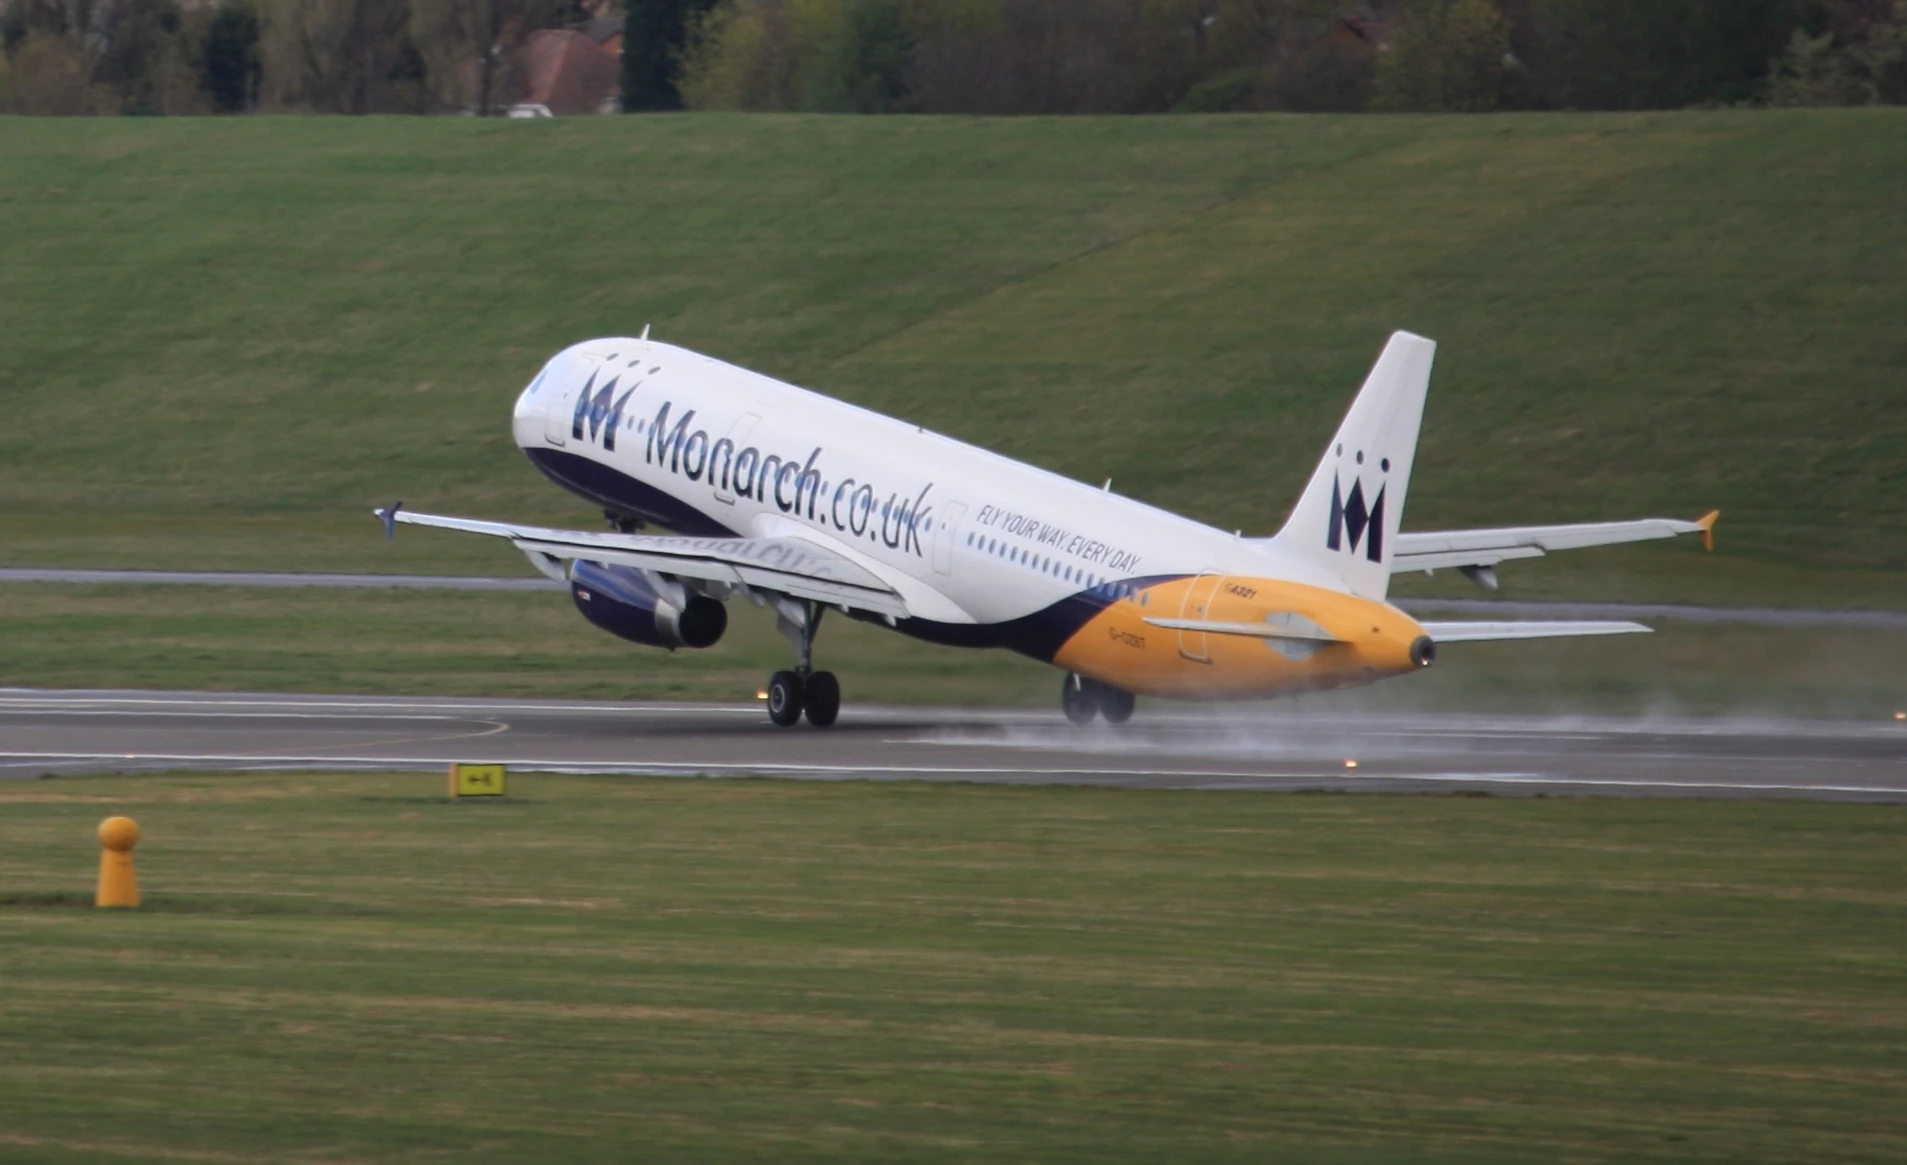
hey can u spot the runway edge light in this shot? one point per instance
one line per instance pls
(476, 780)
(118, 883)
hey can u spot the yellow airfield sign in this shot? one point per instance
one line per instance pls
(476, 780)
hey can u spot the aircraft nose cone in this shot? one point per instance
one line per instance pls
(526, 421)
(527, 418)
(1423, 651)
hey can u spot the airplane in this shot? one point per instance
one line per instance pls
(802, 503)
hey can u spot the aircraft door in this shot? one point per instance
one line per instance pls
(946, 529)
(560, 414)
(1193, 645)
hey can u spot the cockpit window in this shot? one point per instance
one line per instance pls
(540, 378)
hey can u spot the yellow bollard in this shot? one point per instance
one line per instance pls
(118, 884)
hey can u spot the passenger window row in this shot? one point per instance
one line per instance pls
(1104, 588)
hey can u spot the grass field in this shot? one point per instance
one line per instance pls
(348, 968)
(535, 644)
(225, 339)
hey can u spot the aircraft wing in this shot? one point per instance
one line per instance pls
(790, 566)
(1476, 551)
(1481, 632)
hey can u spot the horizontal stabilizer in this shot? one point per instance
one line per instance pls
(1437, 549)
(1480, 632)
(1249, 630)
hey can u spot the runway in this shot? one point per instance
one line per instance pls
(1270, 747)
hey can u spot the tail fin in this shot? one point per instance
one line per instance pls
(1347, 519)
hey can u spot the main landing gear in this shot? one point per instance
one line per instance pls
(790, 695)
(1084, 699)
(803, 690)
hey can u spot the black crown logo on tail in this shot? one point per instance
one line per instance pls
(1350, 520)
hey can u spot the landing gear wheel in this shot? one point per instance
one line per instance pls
(1115, 705)
(821, 699)
(1079, 699)
(784, 698)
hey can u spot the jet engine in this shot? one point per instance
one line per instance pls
(624, 603)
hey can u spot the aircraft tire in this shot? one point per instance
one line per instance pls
(821, 699)
(784, 698)
(1079, 699)
(1115, 704)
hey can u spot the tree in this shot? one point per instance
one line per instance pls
(473, 47)
(1812, 73)
(1450, 56)
(1658, 54)
(141, 60)
(228, 57)
(654, 40)
(1864, 63)
(338, 56)
(860, 63)
(1883, 56)
(48, 76)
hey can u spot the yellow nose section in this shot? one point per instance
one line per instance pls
(1221, 637)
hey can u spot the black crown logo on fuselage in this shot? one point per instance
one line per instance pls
(598, 414)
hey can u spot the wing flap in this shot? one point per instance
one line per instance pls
(1483, 632)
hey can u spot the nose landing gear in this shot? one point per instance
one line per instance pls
(803, 690)
(1082, 699)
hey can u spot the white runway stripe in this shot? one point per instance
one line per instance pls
(1090, 776)
(1238, 748)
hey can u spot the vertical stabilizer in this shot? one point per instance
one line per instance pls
(1347, 520)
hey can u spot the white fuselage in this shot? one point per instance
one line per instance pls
(969, 537)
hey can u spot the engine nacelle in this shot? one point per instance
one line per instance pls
(621, 602)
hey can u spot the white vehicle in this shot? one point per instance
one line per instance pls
(803, 503)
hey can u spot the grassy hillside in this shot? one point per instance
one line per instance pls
(221, 340)
(348, 968)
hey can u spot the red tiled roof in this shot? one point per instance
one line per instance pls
(568, 71)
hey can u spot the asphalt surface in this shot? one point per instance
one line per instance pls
(1484, 608)
(1250, 747)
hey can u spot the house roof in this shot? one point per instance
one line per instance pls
(569, 72)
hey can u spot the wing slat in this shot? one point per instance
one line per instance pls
(792, 566)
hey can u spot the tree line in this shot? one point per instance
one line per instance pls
(1140, 56)
(960, 56)
(234, 56)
